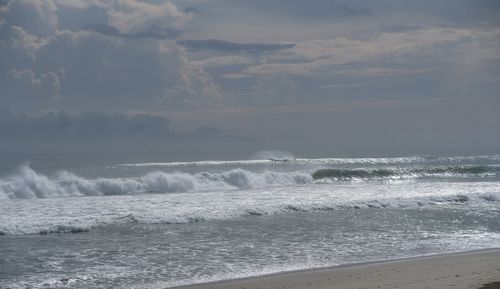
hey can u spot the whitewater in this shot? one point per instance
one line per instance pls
(156, 224)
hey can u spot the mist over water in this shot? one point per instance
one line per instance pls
(159, 224)
(273, 155)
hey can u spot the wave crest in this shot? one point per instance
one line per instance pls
(27, 183)
(454, 171)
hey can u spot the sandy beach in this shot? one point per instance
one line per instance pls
(480, 269)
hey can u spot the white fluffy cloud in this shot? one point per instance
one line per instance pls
(194, 87)
(20, 40)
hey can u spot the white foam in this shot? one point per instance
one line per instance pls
(323, 161)
(48, 215)
(27, 183)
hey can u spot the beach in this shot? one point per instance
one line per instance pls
(232, 144)
(461, 271)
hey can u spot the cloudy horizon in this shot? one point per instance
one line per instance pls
(225, 78)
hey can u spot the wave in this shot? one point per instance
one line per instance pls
(273, 155)
(266, 159)
(55, 223)
(426, 159)
(348, 174)
(453, 171)
(197, 163)
(27, 183)
(50, 227)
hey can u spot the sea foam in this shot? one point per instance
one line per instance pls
(437, 171)
(27, 183)
(75, 215)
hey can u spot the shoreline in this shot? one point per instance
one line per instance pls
(467, 270)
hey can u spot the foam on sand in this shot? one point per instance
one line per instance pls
(463, 271)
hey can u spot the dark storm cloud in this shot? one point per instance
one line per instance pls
(227, 46)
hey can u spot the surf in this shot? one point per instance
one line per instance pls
(449, 171)
(26, 183)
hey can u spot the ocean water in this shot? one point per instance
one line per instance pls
(136, 222)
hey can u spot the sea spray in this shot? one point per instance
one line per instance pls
(27, 183)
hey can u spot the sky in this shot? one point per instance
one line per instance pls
(225, 78)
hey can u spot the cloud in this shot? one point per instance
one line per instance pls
(344, 85)
(132, 16)
(191, 10)
(458, 11)
(208, 130)
(218, 61)
(38, 17)
(226, 46)
(276, 89)
(90, 132)
(115, 67)
(17, 40)
(193, 88)
(44, 87)
(82, 4)
(160, 55)
(26, 74)
(152, 32)
(195, 57)
(347, 10)
(57, 125)
(308, 9)
(54, 80)
(401, 27)
(376, 127)
(320, 56)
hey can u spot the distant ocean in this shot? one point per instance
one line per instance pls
(97, 222)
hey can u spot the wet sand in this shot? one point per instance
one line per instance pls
(471, 270)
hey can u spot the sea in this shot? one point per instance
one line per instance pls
(97, 221)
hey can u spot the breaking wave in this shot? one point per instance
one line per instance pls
(453, 171)
(267, 157)
(88, 218)
(273, 155)
(27, 183)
